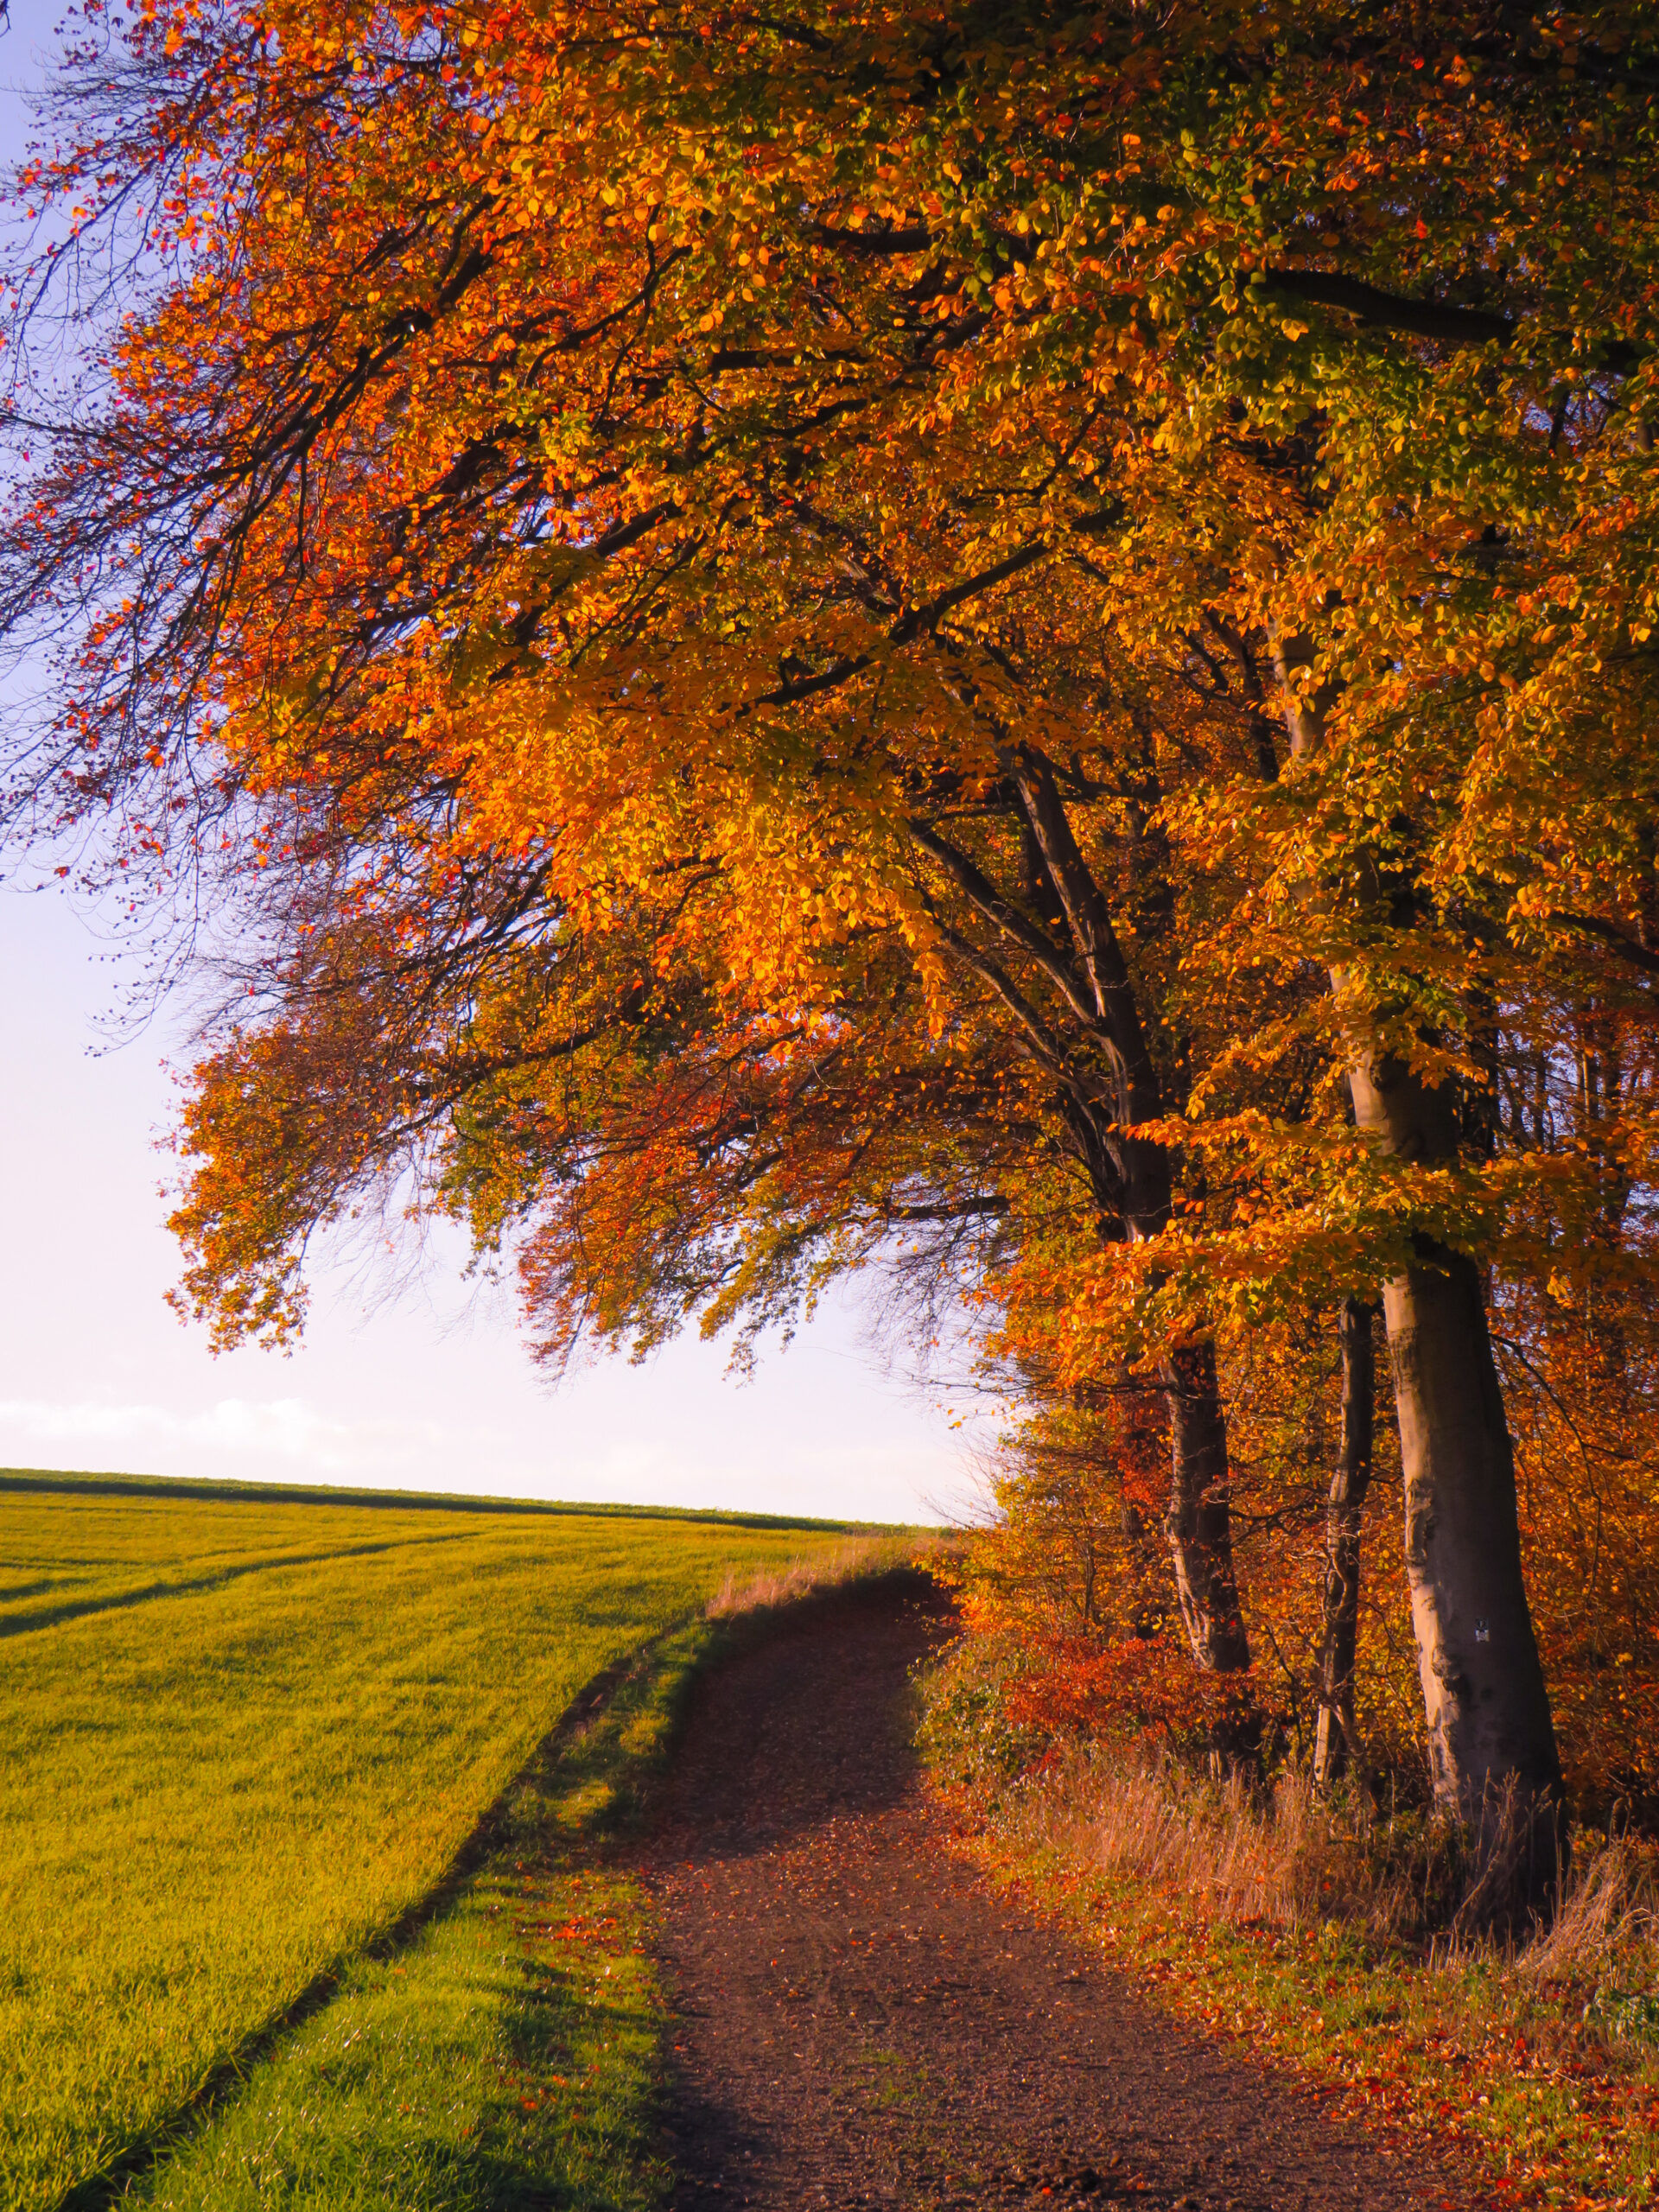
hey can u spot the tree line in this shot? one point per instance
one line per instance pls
(1009, 643)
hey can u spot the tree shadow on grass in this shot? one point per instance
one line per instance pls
(498, 2045)
(339, 2039)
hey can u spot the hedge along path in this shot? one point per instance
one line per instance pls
(861, 2020)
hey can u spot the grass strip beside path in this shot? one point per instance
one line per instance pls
(246, 1742)
(508, 2054)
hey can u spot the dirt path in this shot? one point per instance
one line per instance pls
(862, 2021)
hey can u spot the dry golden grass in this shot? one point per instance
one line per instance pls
(1223, 1847)
(1289, 1861)
(826, 1569)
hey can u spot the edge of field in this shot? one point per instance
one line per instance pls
(47, 1479)
(500, 2044)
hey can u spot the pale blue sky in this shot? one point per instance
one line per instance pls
(429, 1391)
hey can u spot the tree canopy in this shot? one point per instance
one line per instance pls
(1018, 637)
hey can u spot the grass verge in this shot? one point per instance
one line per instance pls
(507, 2053)
(505, 2056)
(244, 1740)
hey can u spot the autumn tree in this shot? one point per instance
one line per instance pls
(1152, 528)
(770, 553)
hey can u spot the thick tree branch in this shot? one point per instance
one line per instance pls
(1043, 1047)
(927, 615)
(960, 1210)
(1616, 939)
(1450, 325)
(1005, 917)
(1090, 923)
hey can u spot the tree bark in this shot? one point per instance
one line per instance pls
(1199, 1526)
(1336, 1741)
(1492, 1742)
(1200, 1521)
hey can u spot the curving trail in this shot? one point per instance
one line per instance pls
(862, 2021)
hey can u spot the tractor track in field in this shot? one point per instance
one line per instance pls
(197, 1586)
(860, 2019)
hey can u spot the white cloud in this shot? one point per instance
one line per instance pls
(283, 1428)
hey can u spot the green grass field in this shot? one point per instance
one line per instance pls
(244, 1734)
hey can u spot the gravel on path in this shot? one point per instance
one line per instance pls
(861, 2020)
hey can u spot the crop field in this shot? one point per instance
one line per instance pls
(245, 1735)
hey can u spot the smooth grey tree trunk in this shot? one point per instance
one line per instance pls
(1491, 1741)
(1335, 1743)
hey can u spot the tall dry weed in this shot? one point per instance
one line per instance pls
(1284, 1858)
(1606, 1913)
(1289, 1859)
(1241, 1859)
(829, 1570)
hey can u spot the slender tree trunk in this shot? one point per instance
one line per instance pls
(1336, 1741)
(1492, 1742)
(1199, 1525)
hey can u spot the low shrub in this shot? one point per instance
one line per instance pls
(1253, 1845)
